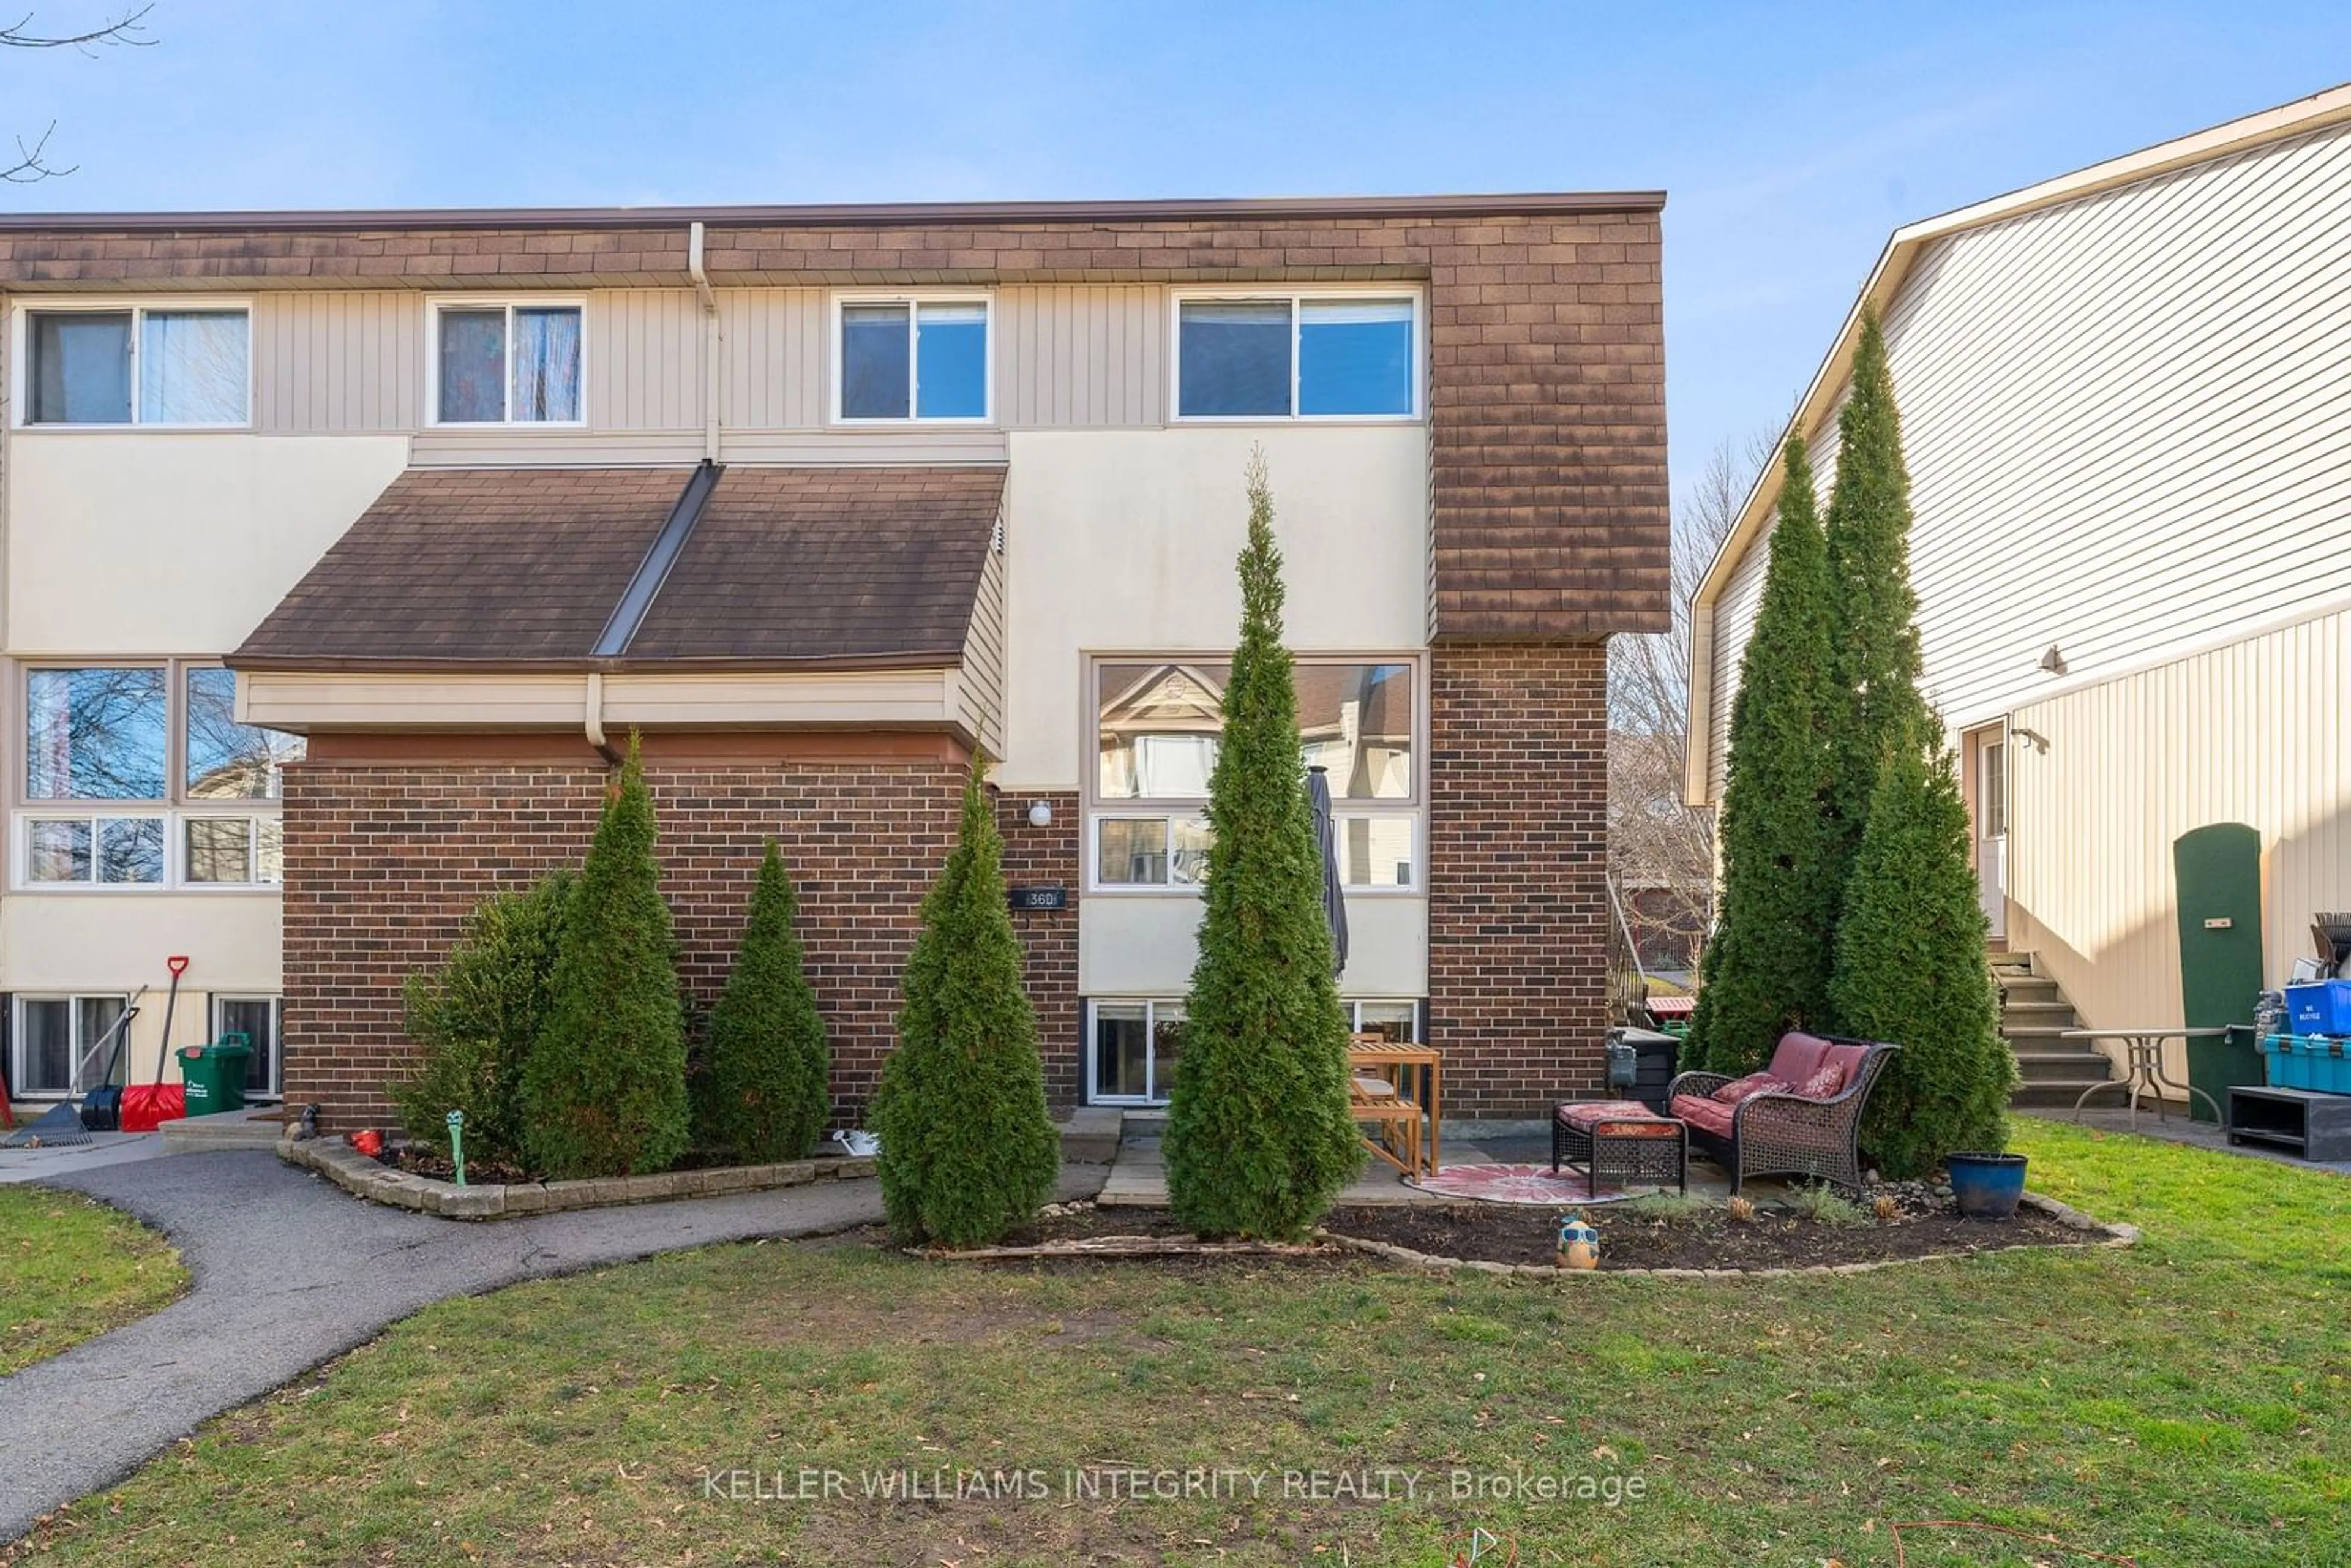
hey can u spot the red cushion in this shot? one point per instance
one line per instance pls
(1707, 1114)
(1798, 1056)
(1739, 1088)
(1591, 1114)
(1847, 1057)
(1825, 1084)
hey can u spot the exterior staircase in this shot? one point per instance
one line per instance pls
(2034, 1017)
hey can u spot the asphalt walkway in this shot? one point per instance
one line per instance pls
(288, 1271)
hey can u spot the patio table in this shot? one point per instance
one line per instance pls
(2143, 1071)
(1410, 1068)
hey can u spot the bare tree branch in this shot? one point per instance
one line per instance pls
(32, 165)
(1661, 852)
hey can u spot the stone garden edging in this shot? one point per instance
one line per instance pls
(2107, 1235)
(355, 1173)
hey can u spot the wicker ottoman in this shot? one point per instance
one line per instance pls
(1620, 1142)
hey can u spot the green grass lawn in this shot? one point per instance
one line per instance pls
(2188, 1402)
(70, 1269)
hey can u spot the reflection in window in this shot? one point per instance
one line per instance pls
(227, 761)
(1355, 357)
(1312, 357)
(220, 849)
(920, 359)
(261, 1020)
(81, 368)
(1375, 852)
(192, 367)
(1233, 358)
(1398, 1023)
(509, 364)
(1355, 722)
(131, 851)
(1157, 729)
(58, 850)
(95, 734)
(58, 1044)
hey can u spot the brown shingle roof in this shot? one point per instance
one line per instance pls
(525, 565)
(792, 564)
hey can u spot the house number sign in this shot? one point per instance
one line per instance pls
(1054, 897)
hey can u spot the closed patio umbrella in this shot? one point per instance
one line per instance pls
(1334, 903)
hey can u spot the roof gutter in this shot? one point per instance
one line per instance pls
(710, 339)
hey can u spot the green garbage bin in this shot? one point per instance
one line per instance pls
(214, 1074)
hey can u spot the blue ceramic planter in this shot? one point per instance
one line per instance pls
(1987, 1186)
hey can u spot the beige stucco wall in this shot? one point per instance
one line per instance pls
(2255, 731)
(151, 543)
(1142, 945)
(1125, 540)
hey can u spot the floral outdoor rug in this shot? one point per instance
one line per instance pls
(1528, 1185)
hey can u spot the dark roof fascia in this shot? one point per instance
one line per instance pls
(914, 659)
(883, 214)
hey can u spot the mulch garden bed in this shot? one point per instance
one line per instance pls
(1923, 1224)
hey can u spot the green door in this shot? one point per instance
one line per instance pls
(2217, 870)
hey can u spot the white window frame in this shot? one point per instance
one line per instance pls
(20, 346)
(913, 299)
(80, 1046)
(1156, 1092)
(276, 1085)
(509, 303)
(1096, 809)
(174, 809)
(1414, 294)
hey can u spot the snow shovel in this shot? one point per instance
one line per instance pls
(101, 1107)
(146, 1106)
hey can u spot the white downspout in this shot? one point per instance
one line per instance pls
(593, 720)
(709, 341)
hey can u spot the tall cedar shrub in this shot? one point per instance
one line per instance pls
(605, 1088)
(475, 1019)
(1911, 970)
(1260, 1139)
(968, 1149)
(764, 1093)
(1768, 970)
(1874, 635)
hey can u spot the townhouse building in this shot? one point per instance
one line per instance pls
(345, 550)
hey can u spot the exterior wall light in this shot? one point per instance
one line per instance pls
(1040, 813)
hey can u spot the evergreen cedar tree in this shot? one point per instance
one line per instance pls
(763, 1090)
(1260, 1138)
(1768, 970)
(968, 1151)
(475, 1019)
(1911, 969)
(1874, 635)
(604, 1092)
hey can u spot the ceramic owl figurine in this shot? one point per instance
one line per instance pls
(1579, 1243)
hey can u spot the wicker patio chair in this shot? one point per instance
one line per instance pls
(1777, 1129)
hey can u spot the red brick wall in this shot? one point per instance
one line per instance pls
(1041, 857)
(383, 863)
(1518, 862)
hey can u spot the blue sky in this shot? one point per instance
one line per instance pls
(1791, 138)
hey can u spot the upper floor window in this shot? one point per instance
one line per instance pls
(133, 778)
(1302, 356)
(145, 364)
(517, 362)
(912, 359)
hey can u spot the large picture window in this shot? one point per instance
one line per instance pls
(187, 366)
(1298, 356)
(507, 363)
(1159, 723)
(912, 359)
(140, 776)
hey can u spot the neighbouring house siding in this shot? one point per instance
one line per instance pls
(2254, 732)
(1518, 866)
(2124, 418)
(384, 863)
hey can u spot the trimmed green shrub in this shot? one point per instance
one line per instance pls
(1873, 634)
(1768, 969)
(475, 1019)
(764, 1090)
(1260, 1139)
(968, 1151)
(1911, 970)
(605, 1088)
